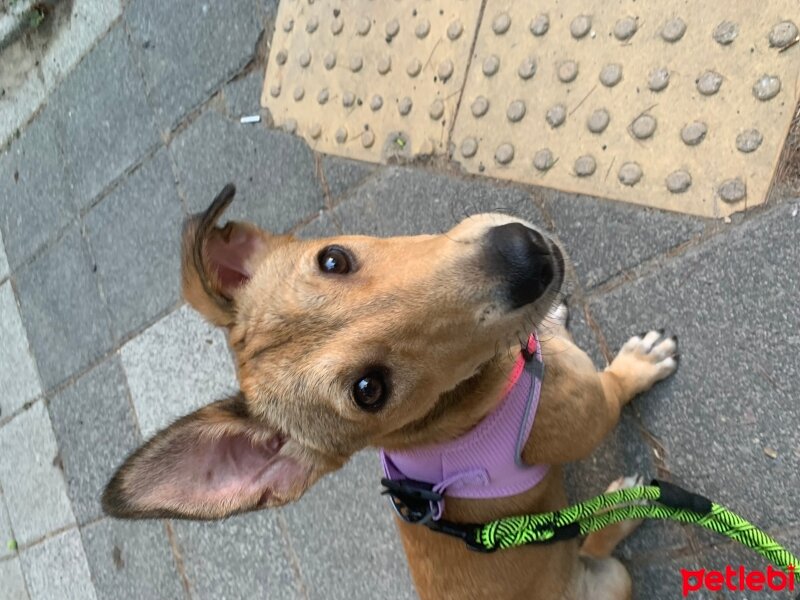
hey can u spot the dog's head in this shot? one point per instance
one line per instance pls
(340, 344)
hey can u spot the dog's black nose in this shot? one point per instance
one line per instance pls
(523, 259)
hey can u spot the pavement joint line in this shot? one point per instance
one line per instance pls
(294, 559)
(174, 546)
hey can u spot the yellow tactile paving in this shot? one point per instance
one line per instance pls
(640, 101)
(368, 79)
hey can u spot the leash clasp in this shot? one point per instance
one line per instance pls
(413, 500)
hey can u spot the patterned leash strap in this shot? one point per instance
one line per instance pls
(661, 500)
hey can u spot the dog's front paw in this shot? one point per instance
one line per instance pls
(646, 359)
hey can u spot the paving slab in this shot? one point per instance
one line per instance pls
(62, 310)
(33, 206)
(604, 238)
(57, 568)
(12, 580)
(371, 548)
(96, 429)
(342, 174)
(242, 557)
(18, 377)
(274, 172)
(134, 237)
(37, 502)
(22, 99)
(243, 95)
(4, 268)
(131, 560)
(104, 133)
(661, 579)
(176, 366)
(6, 533)
(404, 201)
(87, 23)
(188, 49)
(321, 227)
(731, 302)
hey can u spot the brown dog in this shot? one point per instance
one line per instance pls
(395, 343)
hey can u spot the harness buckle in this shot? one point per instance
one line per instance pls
(412, 499)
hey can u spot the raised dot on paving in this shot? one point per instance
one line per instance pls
(630, 173)
(515, 111)
(504, 154)
(348, 99)
(625, 28)
(585, 165)
(767, 87)
(290, 126)
(329, 61)
(658, 79)
(543, 160)
(679, 181)
(454, 30)
(491, 64)
(288, 25)
(611, 74)
(356, 62)
(362, 26)
(643, 127)
(341, 135)
(693, 133)
(673, 30)
(323, 96)
(732, 190)
(528, 68)
(709, 83)
(392, 28)
(404, 106)
(304, 59)
(281, 57)
(783, 34)
(556, 115)
(539, 25)
(445, 70)
(469, 147)
(299, 93)
(312, 24)
(598, 120)
(567, 71)
(367, 139)
(726, 32)
(580, 26)
(422, 29)
(315, 131)
(479, 106)
(749, 140)
(336, 26)
(501, 23)
(376, 103)
(275, 90)
(384, 65)
(414, 67)
(437, 109)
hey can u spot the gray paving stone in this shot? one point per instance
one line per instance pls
(604, 238)
(273, 171)
(96, 429)
(21, 101)
(57, 568)
(243, 96)
(18, 378)
(342, 174)
(176, 366)
(108, 125)
(134, 235)
(321, 227)
(4, 268)
(88, 22)
(405, 201)
(131, 560)
(34, 189)
(184, 65)
(12, 581)
(366, 563)
(6, 533)
(733, 304)
(661, 579)
(37, 502)
(242, 557)
(62, 310)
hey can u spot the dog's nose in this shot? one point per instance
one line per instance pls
(523, 258)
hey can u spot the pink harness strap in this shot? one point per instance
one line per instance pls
(486, 462)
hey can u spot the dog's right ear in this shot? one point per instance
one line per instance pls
(217, 261)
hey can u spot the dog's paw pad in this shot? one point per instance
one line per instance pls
(654, 349)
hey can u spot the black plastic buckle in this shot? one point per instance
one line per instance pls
(412, 499)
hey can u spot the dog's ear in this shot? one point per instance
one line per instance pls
(213, 463)
(217, 261)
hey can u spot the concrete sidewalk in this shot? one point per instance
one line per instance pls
(98, 351)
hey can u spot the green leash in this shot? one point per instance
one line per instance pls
(661, 500)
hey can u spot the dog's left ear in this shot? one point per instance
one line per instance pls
(218, 261)
(213, 463)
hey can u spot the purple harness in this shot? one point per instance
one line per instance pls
(486, 462)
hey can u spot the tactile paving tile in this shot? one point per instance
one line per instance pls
(370, 79)
(676, 124)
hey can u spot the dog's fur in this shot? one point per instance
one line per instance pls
(429, 312)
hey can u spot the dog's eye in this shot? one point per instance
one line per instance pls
(334, 260)
(371, 391)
